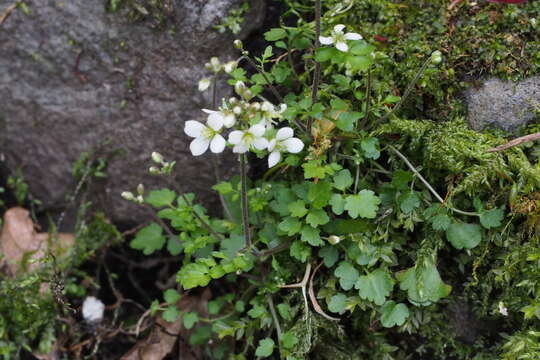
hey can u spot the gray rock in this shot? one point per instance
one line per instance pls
(503, 104)
(76, 78)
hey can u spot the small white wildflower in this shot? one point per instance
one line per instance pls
(92, 309)
(502, 309)
(251, 138)
(128, 195)
(205, 136)
(226, 116)
(339, 38)
(230, 66)
(284, 141)
(204, 84)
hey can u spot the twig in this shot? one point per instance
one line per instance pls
(274, 315)
(8, 12)
(313, 298)
(245, 210)
(428, 185)
(515, 142)
(317, 73)
(302, 284)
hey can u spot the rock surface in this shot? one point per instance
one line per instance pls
(77, 78)
(503, 104)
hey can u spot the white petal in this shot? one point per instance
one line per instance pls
(260, 143)
(218, 144)
(235, 137)
(341, 46)
(92, 309)
(293, 145)
(353, 36)
(209, 111)
(274, 158)
(282, 108)
(257, 130)
(339, 28)
(326, 40)
(199, 146)
(272, 145)
(229, 120)
(204, 84)
(194, 128)
(284, 133)
(267, 107)
(240, 148)
(215, 121)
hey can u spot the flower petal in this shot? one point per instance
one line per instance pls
(342, 46)
(209, 111)
(260, 143)
(274, 158)
(199, 146)
(235, 137)
(272, 145)
(284, 133)
(293, 145)
(353, 36)
(194, 128)
(339, 28)
(217, 145)
(257, 130)
(326, 40)
(240, 149)
(215, 121)
(229, 120)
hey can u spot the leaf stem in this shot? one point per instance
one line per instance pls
(201, 220)
(245, 210)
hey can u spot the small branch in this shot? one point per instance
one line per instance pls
(313, 298)
(317, 73)
(302, 284)
(8, 12)
(245, 209)
(272, 88)
(368, 100)
(515, 142)
(428, 185)
(274, 315)
(275, 250)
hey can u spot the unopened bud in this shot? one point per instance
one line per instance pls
(237, 110)
(334, 239)
(140, 189)
(128, 195)
(140, 199)
(247, 94)
(204, 84)
(238, 44)
(233, 100)
(230, 66)
(256, 106)
(154, 170)
(436, 57)
(157, 157)
(215, 65)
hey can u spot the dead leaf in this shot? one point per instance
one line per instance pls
(22, 246)
(164, 336)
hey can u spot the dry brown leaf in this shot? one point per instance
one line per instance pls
(164, 336)
(19, 241)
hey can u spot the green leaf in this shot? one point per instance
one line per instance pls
(311, 236)
(338, 303)
(223, 188)
(288, 340)
(300, 251)
(375, 286)
(346, 121)
(371, 148)
(265, 348)
(441, 222)
(149, 239)
(365, 204)
(408, 201)
(401, 179)
(189, 319)
(330, 255)
(423, 285)
(347, 274)
(338, 204)
(290, 226)
(275, 34)
(319, 194)
(463, 235)
(491, 218)
(160, 198)
(361, 48)
(393, 314)
(171, 296)
(174, 246)
(298, 208)
(343, 179)
(231, 245)
(324, 54)
(170, 314)
(317, 217)
(359, 63)
(257, 311)
(193, 275)
(285, 311)
(313, 170)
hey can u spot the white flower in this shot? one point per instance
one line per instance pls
(230, 66)
(339, 38)
(205, 136)
(214, 65)
(204, 84)
(226, 116)
(284, 141)
(502, 309)
(251, 138)
(269, 112)
(92, 309)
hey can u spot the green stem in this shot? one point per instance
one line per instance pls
(368, 100)
(201, 220)
(317, 73)
(245, 210)
(263, 74)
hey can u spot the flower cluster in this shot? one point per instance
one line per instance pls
(216, 67)
(252, 125)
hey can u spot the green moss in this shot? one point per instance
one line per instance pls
(155, 13)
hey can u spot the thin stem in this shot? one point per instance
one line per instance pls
(214, 92)
(272, 88)
(368, 100)
(204, 224)
(274, 316)
(428, 185)
(406, 93)
(317, 73)
(245, 210)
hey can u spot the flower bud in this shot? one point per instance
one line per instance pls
(238, 44)
(154, 170)
(204, 84)
(240, 88)
(436, 57)
(157, 157)
(237, 110)
(233, 100)
(214, 65)
(128, 195)
(334, 239)
(140, 199)
(230, 66)
(256, 106)
(140, 189)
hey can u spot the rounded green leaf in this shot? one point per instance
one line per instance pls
(463, 235)
(393, 314)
